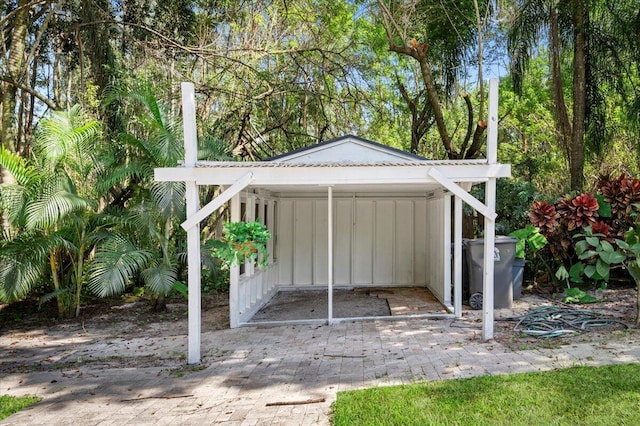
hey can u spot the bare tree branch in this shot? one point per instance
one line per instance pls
(8, 16)
(467, 136)
(31, 91)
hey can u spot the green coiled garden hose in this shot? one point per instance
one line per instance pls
(554, 321)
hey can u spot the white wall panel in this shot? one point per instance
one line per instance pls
(404, 234)
(383, 242)
(285, 242)
(363, 243)
(435, 258)
(377, 241)
(303, 243)
(320, 243)
(343, 222)
(420, 242)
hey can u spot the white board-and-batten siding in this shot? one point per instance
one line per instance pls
(377, 242)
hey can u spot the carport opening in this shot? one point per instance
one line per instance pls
(387, 251)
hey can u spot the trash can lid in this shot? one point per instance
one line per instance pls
(500, 239)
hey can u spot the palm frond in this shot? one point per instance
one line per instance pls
(164, 138)
(53, 295)
(66, 137)
(144, 95)
(13, 199)
(24, 173)
(144, 217)
(24, 261)
(52, 207)
(136, 143)
(160, 278)
(115, 263)
(168, 145)
(109, 220)
(169, 197)
(117, 175)
(18, 276)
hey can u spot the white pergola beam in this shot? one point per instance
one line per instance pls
(218, 202)
(325, 176)
(458, 191)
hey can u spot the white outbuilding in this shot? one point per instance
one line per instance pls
(348, 212)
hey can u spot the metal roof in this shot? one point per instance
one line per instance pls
(265, 164)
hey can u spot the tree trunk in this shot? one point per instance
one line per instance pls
(563, 125)
(158, 303)
(434, 103)
(9, 91)
(579, 96)
(17, 49)
(96, 43)
(468, 225)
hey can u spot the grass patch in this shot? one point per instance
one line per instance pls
(580, 395)
(13, 404)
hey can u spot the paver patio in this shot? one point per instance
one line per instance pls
(244, 370)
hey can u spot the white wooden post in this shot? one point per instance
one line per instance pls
(271, 227)
(457, 258)
(234, 271)
(447, 249)
(489, 222)
(260, 290)
(251, 216)
(193, 234)
(330, 253)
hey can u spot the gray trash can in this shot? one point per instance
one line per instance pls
(518, 277)
(504, 255)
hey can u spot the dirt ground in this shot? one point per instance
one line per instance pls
(25, 330)
(617, 305)
(129, 316)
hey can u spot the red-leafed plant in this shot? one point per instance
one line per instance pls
(574, 223)
(543, 215)
(579, 211)
(558, 222)
(622, 193)
(600, 227)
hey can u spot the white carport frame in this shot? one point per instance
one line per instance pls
(454, 176)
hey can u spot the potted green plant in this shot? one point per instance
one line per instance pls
(241, 241)
(531, 237)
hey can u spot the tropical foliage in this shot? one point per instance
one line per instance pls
(58, 224)
(587, 232)
(80, 210)
(591, 60)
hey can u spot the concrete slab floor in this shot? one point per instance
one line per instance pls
(359, 302)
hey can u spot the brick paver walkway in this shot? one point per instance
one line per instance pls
(245, 370)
